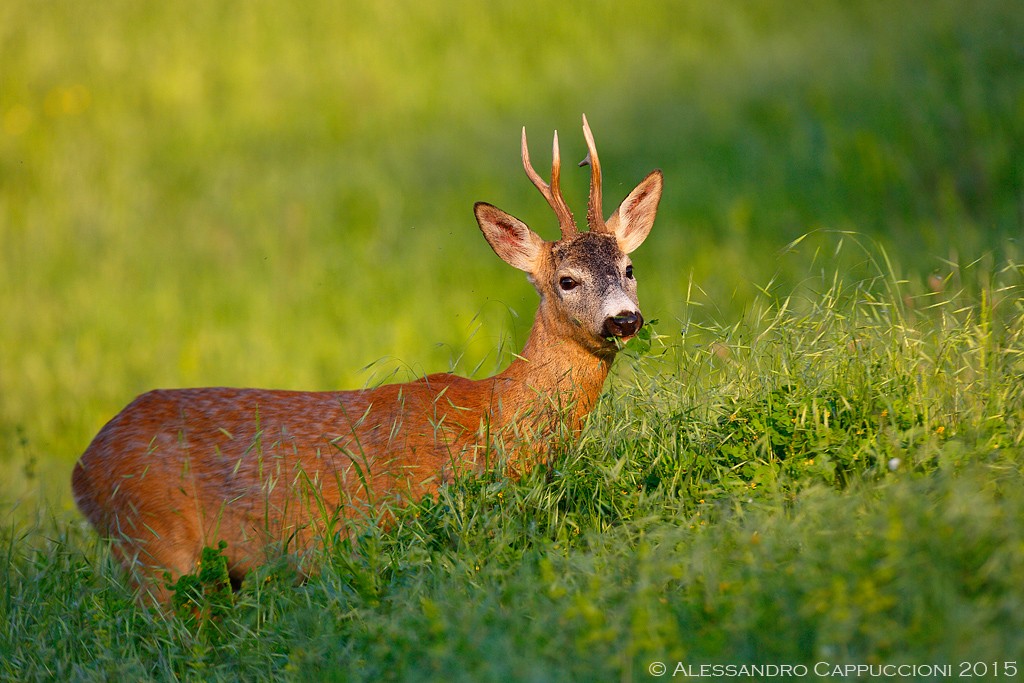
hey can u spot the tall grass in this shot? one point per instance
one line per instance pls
(836, 478)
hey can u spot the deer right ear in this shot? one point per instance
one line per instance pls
(509, 237)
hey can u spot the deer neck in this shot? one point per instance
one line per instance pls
(556, 376)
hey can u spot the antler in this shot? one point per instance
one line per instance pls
(595, 217)
(552, 192)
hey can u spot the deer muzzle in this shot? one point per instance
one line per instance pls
(625, 324)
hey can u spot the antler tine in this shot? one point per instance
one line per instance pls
(552, 193)
(565, 219)
(595, 217)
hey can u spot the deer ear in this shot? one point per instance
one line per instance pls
(509, 237)
(633, 220)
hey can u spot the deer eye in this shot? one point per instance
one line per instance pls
(568, 284)
(629, 271)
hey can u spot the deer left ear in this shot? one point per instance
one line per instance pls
(633, 220)
(509, 237)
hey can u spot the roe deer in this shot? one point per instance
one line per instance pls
(181, 469)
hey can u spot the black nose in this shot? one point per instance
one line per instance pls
(625, 324)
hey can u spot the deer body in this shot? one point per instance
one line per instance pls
(269, 471)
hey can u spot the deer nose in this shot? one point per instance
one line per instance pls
(625, 324)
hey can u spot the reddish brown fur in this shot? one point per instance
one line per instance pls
(276, 471)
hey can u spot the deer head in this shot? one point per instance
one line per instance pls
(585, 279)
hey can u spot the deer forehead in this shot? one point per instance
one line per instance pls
(589, 252)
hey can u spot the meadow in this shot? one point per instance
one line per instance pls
(814, 455)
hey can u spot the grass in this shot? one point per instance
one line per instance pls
(840, 484)
(816, 459)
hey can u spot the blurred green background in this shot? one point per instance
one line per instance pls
(279, 194)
